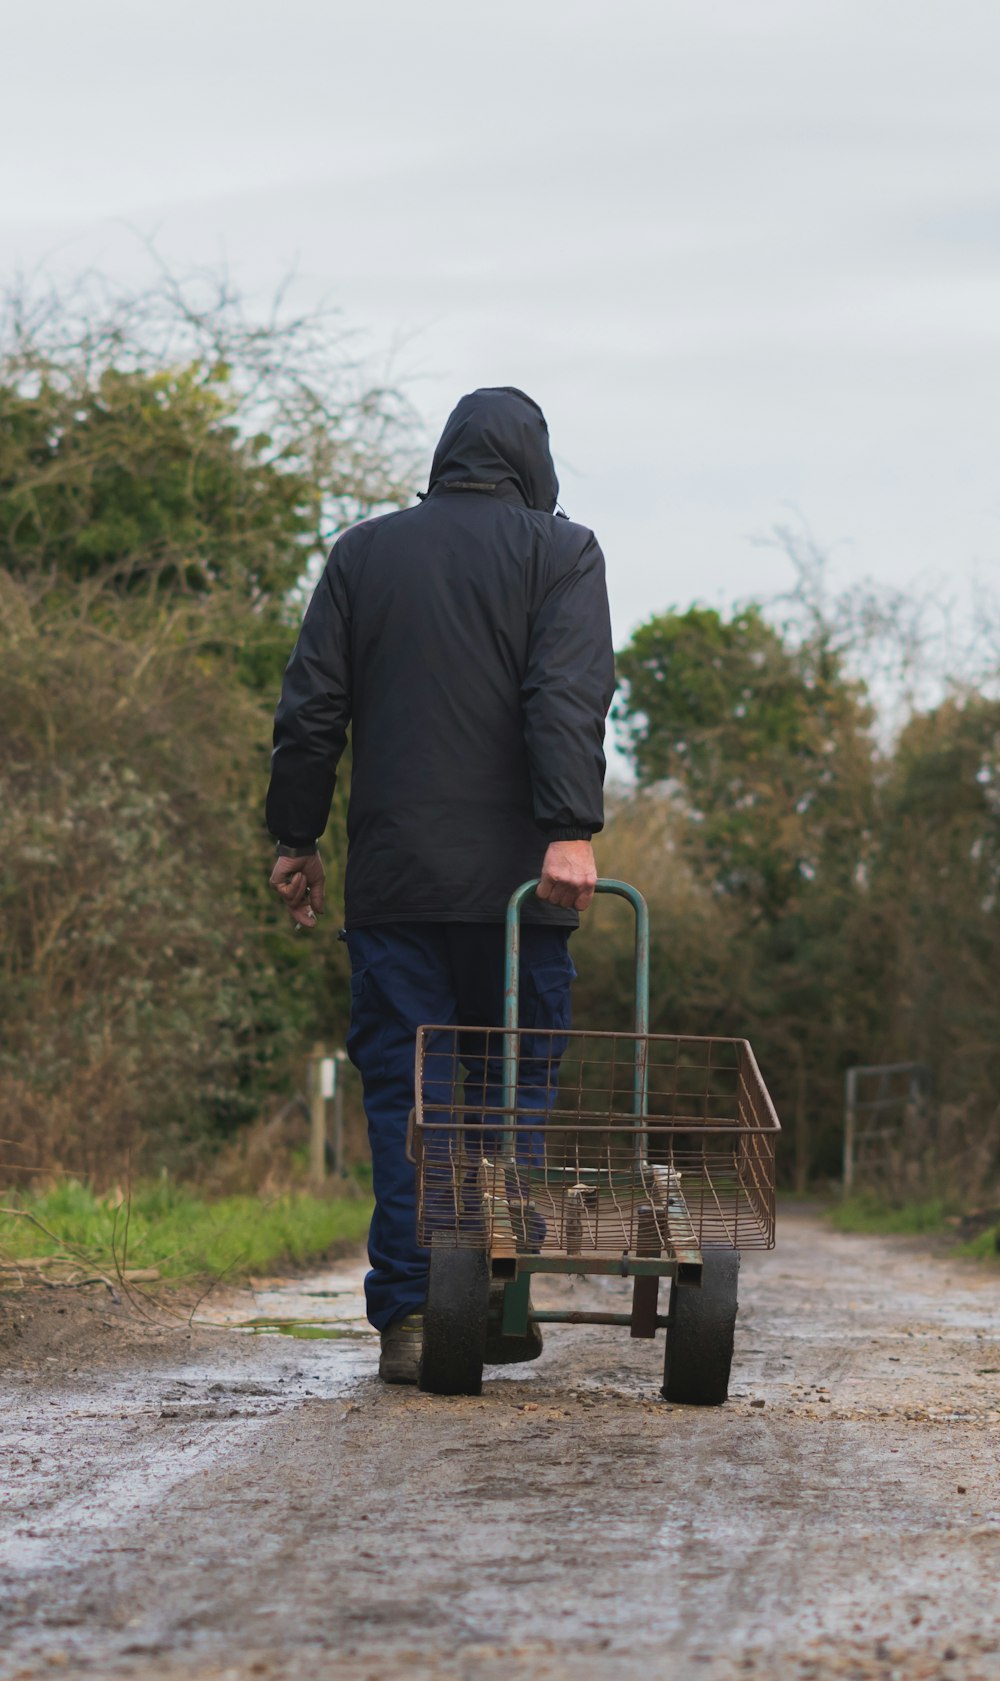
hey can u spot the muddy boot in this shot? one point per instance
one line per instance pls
(401, 1343)
(507, 1351)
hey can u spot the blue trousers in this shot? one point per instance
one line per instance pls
(403, 976)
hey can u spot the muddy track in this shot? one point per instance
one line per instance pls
(220, 1505)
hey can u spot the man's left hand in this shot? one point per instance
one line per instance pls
(300, 882)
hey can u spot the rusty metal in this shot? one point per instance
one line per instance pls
(576, 1152)
(579, 1316)
(554, 1174)
(645, 1291)
(597, 1265)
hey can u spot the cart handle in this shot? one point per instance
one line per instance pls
(512, 964)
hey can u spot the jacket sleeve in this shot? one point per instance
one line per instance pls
(310, 725)
(565, 695)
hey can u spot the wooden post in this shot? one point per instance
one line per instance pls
(850, 1117)
(339, 1059)
(317, 1121)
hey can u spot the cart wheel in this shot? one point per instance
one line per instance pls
(454, 1343)
(700, 1335)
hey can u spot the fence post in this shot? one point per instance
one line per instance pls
(317, 1120)
(850, 1103)
(339, 1059)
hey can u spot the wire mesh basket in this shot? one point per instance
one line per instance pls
(616, 1144)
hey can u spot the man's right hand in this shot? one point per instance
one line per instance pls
(569, 875)
(300, 883)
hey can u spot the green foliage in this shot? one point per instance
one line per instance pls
(694, 973)
(759, 744)
(170, 474)
(985, 1247)
(937, 1217)
(146, 477)
(767, 742)
(867, 1213)
(149, 993)
(171, 1228)
(936, 887)
(156, 517)
(836, 901)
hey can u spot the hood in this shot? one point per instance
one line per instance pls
(498, 437)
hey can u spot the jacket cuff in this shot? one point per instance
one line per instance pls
(564, 834)
(293, 849)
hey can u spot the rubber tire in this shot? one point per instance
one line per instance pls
(454, 1341)
(700, 1338)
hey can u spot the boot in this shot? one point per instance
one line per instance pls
(399, 1361)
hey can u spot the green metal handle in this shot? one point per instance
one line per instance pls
(512, 966)
(512, 960)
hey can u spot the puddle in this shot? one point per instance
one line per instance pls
(323, 1307)
(305, 1328)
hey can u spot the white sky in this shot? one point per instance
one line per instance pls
(746, 253)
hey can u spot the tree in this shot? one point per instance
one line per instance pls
(167, 440)
(766, 744)
(936, 887)
(170, 471)
(143, 477)
(763, 746)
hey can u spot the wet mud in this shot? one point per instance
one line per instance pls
(243, 1498)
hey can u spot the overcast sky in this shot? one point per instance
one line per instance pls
(746, 253)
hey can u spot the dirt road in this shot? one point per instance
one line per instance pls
(220, 1505)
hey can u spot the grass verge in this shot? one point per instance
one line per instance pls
(869, 1214)
(172, 1230)
(935, 1217)
(985, 1246)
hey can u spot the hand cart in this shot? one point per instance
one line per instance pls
(636, 1155)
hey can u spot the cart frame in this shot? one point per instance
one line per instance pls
(504, 1210)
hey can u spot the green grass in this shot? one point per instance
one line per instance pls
(985, 1247)
(179, 1232)
(866, 1213)
(869, 1214)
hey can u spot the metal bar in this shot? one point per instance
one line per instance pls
(515, 1307)
(512, 969)
(631, 1266)
(685, 1039)
(885, 1067)
(580, 1318)
(681, 1233)
(560, 1121)
(722, 1216)
(897, 1100)
(620, 1177)
(511, 981)
(641, 1077)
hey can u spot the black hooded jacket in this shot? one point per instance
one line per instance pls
(467, 642)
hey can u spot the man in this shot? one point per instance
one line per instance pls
(467, 642)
